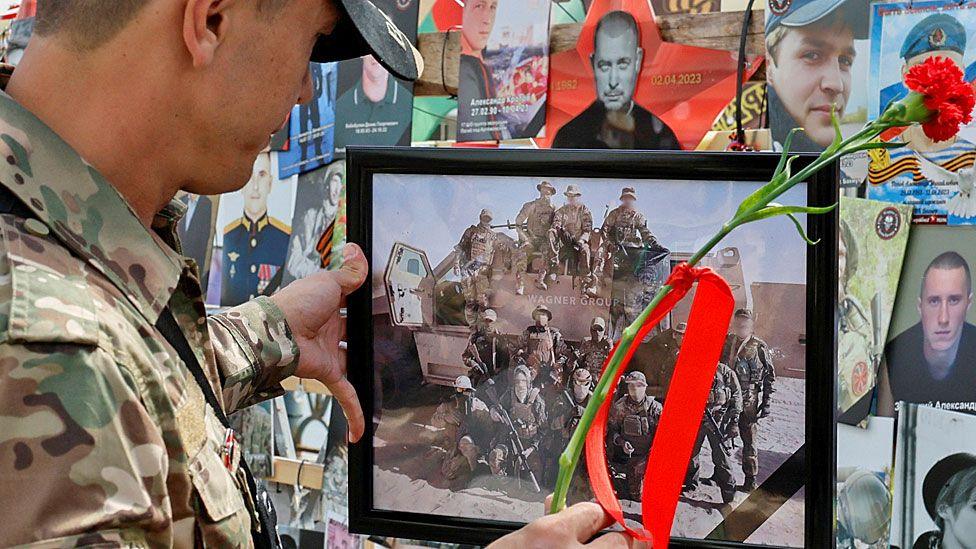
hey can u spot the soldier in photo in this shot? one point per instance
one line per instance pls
(541, 348)
(466, 428)
(720, 427)
(859, 349)
(664, 349)
(521, 415)
(485, 350)
(472, 263)
(564, 412)
(569, 236)
(630, 429)
(749, 357)
(625, 229)
(532, 224)
(594, 350)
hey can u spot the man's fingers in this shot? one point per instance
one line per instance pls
(584, 520)
(343, 391)
(354, 269)
(617, 540)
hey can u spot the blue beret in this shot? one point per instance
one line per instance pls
(937, 32)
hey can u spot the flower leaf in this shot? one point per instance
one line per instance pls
(838, 137)
(774, 209)
(803, 233)
(877, 145)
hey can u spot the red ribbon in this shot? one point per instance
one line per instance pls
(681, 418)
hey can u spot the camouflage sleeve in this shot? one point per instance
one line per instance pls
(770, 376)
(587, 222)
(255, 351)
(646, 235)
(736, 400)
(87, 464)
(464, 245)
(613, 425)
(608, 222)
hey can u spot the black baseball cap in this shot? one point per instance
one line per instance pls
(940, 474)
(365, 30)
(800, 13)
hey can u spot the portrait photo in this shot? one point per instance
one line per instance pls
(317, 198)
(495, 301)
(253, 235)
(196, 231)
(935, 479)
(622, 87)
(504, 69)
(930, 357)
(937, 178)
(312, 125)
(871, 247)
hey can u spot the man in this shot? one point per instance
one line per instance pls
(625, 239)
(625, 229)
(614, 120)
(196, 232)
(541, 347)
(749, 357)
(595, 349)
(565, 411)
(569, 236)
(255, 244)
(310, 248)
(663, 351)
(377, 110)
(923, 162)
(309, 115)
(934, 361)
(719, 426)
(630, 430)
(120, 444)
(858, 358)
(809, 55)
(532, 224)
(476, 121)
(475, 252)
(521, 415)
(467, 428)
(485, 350)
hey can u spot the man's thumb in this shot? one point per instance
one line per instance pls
(354, 269)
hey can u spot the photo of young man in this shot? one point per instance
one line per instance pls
(809, 56)
(473, 75)
(614, 120)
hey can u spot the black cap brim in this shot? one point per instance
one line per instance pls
(939, 475)
(365, 30)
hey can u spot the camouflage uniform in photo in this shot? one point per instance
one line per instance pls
(636, 423)
(528, 419)
(857, 356)
(663, 351)
(594, 353)
(484, 352)
(570, 224)
(542, 350)
(625, 232)
(752, 364)
(536, 218)
(719, 426)
(102, 420)
(476, 251)
(465, 421)
(564, 412)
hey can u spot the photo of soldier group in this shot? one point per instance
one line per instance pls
(495, 305)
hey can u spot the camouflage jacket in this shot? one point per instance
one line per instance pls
(106, 437)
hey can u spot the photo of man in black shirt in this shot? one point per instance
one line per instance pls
(934, 361)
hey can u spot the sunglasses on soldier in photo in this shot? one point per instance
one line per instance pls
(494, 302)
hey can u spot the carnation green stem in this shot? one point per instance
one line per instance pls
(569, 459)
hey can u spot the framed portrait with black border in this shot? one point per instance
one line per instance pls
(499, 279)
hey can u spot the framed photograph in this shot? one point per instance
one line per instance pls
(490, 309)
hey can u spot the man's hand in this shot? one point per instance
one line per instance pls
(628, 448)
(311, 307)
(570, 528)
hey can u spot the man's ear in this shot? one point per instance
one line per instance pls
(918, 307)
(640, 59)
(204, 26)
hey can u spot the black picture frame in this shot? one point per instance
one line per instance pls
(818, 455)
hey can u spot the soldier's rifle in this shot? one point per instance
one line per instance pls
(720, 432)
(513, 226)
(521, 462)
(876, 332)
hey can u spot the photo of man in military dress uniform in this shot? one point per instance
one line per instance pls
(749, 357)
(614, 120)
(255, 244)
(475, 253)
(532, 224)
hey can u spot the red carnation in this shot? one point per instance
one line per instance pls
(946, 95)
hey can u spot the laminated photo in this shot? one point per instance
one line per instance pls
(495, 302)
(864, 475)
(935, 479)
(935, 177)
(930, 357)
(196, 231)
(872, 240)
(503, 76)
(311, 125)
(317, 198)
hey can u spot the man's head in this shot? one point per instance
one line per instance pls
(542, 315)
(616, 59)
(598, 328)
(636, 386)
(810, 52)
(335, 187)
(944, 300)
(679, 332)
(374, 74)
(485, 217)
(521, 380)
(628, 198)
(582, 382)
(572, 194)
(479, 20)
(743, 324)
(258, 187)
(546, 190)
(938, 35)
(463, 385)
(949, 495)
(212, 81)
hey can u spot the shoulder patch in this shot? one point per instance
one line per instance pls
(280, 225)
(50, 299)
(233, 225)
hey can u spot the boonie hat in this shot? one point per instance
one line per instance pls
(365, 30)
